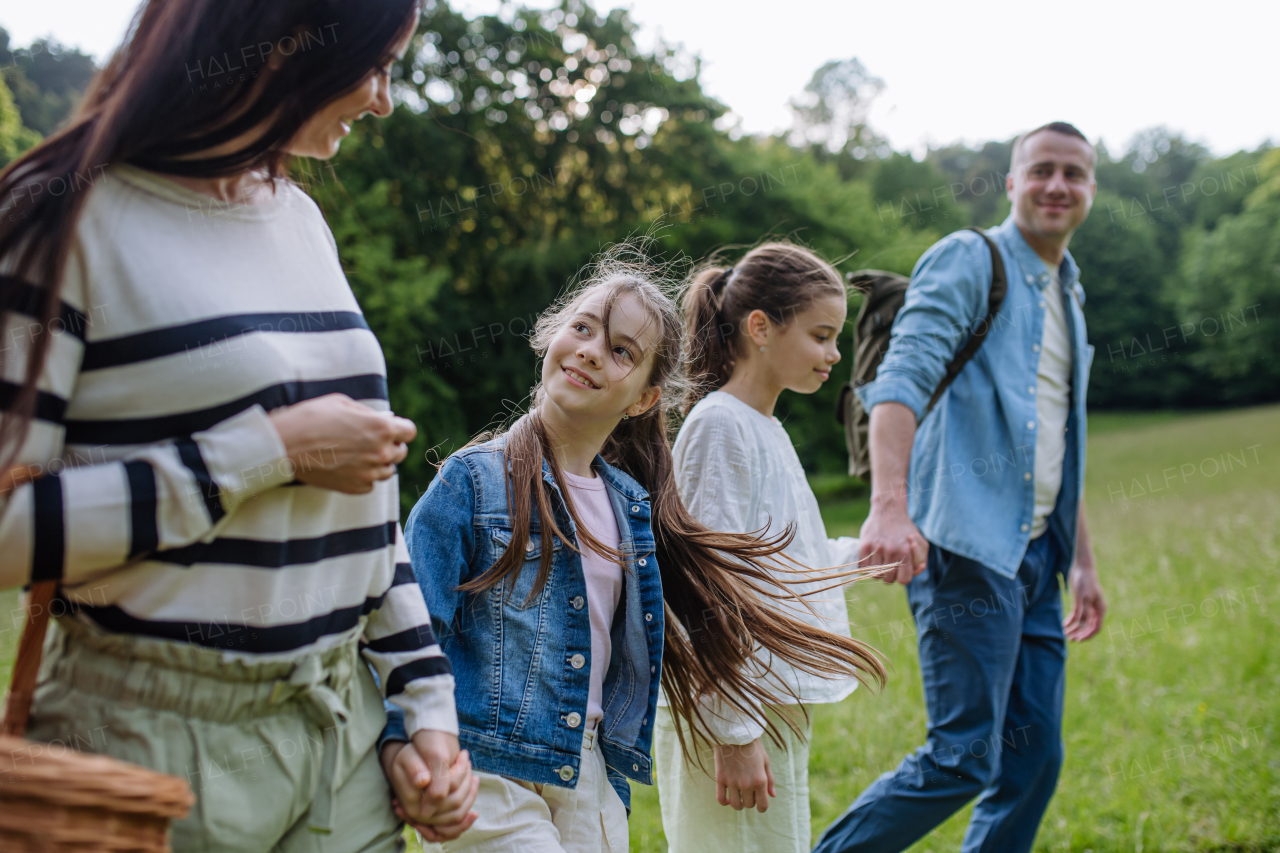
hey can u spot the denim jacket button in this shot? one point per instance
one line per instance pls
(1026, 475)
(648, 617)
(528, 547)
(643, 562)
(566, 773)
(1035, 348)
(576, 602)
(635, 508)
(577, 661)
(635, 767)
(1026, 527)
(574, 719)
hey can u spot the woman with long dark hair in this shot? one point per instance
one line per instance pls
(194, 418)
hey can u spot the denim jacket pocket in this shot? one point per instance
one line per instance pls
(518, 597)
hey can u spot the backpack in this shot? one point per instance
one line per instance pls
(885, 293)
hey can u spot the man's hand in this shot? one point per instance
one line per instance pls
(890, 537)
(433, 784)
(743, 777)
(1088, 607)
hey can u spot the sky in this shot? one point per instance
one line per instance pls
(953, 72)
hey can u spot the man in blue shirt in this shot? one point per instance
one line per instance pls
(980, 500)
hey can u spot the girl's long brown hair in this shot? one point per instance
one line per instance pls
(716, 586)
(167, 94)
(779, 278)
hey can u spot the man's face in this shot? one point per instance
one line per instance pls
(1051, 184)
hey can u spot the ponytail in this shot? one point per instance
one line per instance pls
(710, 344)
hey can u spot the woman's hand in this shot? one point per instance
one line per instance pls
(336, 443)
(433, 784)
(743, 777)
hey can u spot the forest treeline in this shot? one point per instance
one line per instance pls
(527, 141)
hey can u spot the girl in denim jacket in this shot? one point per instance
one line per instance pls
(557, 561)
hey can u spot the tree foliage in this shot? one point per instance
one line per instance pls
(527, 141)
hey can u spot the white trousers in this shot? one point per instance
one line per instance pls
(694, 822)
(521, 817)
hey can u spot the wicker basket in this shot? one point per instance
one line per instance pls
(73, 802)
(76, 802)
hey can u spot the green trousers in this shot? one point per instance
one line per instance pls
(281, 755)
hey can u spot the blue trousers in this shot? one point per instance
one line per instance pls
(992, 656)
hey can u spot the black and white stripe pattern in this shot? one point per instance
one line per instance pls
(159, 504)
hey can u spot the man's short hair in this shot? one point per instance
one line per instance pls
(1063, 127)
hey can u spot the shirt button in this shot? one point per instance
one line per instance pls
(1026, 527)
(648, 617)
(566, 773)
(1031, 389)
(1031, 424)
(1027, 475)
(577, 602)
(1041, 303)
(1030, 278)
(1035, 348)
(642, 562)
(577, 661)
(574, 720)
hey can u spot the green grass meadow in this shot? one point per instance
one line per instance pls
(1173, 711)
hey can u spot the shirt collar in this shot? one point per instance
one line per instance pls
(1031, 266)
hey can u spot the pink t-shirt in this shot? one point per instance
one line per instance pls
(603, 577)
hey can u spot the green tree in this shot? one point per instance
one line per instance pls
(1228, 292)
(47, 80)
(14, 138)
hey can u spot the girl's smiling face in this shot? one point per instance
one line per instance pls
(591, 373)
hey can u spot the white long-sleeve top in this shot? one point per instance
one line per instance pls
(737, 471)
(165, 504)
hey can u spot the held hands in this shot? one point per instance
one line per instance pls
(890, 537)
(336, 443)
(433, 784)
(743, 776)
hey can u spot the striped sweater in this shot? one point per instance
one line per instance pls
(166, 505)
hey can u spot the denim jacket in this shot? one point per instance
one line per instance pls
(523, 668)
(971, 487)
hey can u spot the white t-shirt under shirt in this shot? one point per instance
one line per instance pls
(1053, 399)
(603, 577)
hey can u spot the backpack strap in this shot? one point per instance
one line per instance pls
(999, 287)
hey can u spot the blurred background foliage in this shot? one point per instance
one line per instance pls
(528, 141)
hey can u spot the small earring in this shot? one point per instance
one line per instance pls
(626, 416)
(761, 349)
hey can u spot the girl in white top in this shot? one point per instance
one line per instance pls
(766, 325)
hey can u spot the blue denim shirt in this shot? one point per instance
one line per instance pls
(522, 669)
(971, 487)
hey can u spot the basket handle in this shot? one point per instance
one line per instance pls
(22, 687)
